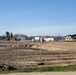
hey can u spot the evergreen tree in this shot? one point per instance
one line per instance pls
(11, 35)
(7, 36)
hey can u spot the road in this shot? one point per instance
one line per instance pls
(44, 73)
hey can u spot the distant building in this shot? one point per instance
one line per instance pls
(38, 38)
(2, 38)
(20, 38)
(54, 38)
(70, 37)
(49, 38)
(58, 38)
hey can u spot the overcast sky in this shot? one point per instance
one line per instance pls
(38, 17)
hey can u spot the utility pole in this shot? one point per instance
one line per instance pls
(40, 63)
(40, 52)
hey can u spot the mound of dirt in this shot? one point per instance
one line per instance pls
(46, 47)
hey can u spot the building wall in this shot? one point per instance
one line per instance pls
(2, 38)
(69, 38)
(48, 39)
(20, 38)
(36, 38)
(59, 38)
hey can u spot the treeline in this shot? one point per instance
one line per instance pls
(10, 36)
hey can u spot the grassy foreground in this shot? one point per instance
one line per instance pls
(44, 69)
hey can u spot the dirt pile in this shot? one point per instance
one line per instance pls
(46, 47)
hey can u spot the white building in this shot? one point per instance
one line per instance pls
(49, 38)
(38, 38)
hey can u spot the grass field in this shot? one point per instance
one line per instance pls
(71, 68)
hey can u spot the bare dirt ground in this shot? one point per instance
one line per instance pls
(28, 53)
(44, 73)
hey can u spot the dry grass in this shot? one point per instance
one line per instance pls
(51, 46)
(54, 46)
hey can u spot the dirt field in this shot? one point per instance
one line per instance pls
(28, 53)
(45, 73)
(54, 46)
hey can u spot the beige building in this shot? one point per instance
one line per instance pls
(70, 38)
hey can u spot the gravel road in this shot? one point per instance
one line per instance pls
(44, 73)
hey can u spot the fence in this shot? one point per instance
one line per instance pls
(23, 55)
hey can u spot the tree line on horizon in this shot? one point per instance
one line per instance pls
(10, 36)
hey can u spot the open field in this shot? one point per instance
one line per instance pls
(23, 54)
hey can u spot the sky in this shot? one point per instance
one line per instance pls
(38, 17)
